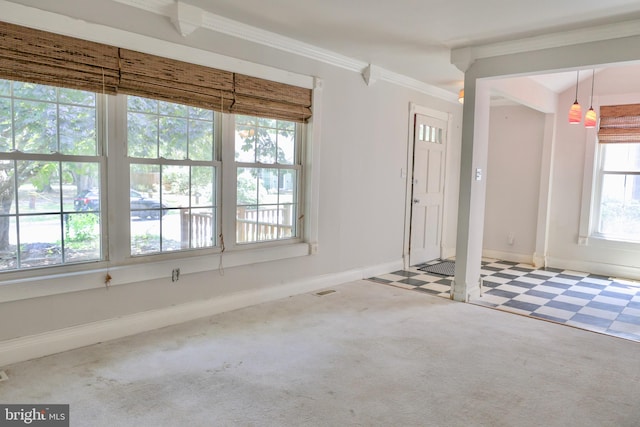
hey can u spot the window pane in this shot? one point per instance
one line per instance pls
(40, 240)
(82, 237)
(143, 105)
(144, 194)
(78, 97)
(173, 138)
(5, 87)
(202, 227)
(145, 236)
(142, 135)
(6, 134)
(621, 157)
(203, 186)
(39, 187)
(620, 206)
(201, 139)
(172, 231)
(248, 187)
(286, 146)
(77, 130)
(81, 186)
(35, 127)
(8, 243)
(266, 145)
(34, 91)
(245, 144)
(175, 186)
(172, 109)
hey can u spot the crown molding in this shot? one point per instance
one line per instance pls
(237, 29)
(468, 54)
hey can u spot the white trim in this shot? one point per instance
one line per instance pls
(311, 169)
(508, 256)
(53, 284)
(30, 347)
(604, 269)
(242, 31)
(467, 55)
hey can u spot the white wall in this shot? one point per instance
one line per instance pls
(573, 156)
(364, 139)
(513, 182)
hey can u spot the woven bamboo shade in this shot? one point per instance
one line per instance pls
(175, 81)
(41, 57)
(619, 123)
(254, 96)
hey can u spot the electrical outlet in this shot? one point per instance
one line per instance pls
(175, 275)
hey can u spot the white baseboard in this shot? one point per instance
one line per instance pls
(508, 256)
(34, 346)
(609, 270)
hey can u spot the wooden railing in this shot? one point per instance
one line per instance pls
(251, 225)
(201, 229)
(263, 224)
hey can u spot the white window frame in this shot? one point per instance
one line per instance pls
(589, 215)
(29, 284)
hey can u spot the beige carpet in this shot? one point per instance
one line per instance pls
(365, 355)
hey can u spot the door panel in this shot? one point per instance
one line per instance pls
(427, 189)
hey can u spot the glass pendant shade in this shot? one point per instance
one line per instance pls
(575, 113)
(590, 118)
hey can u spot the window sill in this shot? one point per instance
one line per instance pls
(33, 286)
(608, 242)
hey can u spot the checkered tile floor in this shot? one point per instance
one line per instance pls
(582, 300)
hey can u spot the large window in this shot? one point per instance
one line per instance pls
(49, 158)
(53, 169)
(267, 156)
(134, 155)
(618, 199)
(172, 175)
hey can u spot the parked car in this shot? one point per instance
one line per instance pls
(141, 206)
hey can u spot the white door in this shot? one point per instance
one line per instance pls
(427, 189)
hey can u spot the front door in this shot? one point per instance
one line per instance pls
(427, 189)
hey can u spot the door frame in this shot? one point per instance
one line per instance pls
(408, 174)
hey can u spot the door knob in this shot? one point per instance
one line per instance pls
(416, 201)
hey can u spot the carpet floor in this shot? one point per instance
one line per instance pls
(365, 355)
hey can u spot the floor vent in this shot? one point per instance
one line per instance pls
(323, 293)
(3, 376)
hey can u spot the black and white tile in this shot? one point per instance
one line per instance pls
(583, 300)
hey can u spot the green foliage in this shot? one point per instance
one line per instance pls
(81, 227)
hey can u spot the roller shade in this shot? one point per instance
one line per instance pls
(156, 77)
(42, 57)
(46, 58)
(619, 123)
(254, 96)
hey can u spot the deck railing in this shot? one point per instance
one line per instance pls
(252, 225)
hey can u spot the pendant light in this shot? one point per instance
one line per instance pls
(461, 96)
(575, 113)
(591, 118)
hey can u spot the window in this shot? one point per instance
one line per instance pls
(618, 201)
(50, 168)
(267, 156)
(617, 198)
(173, 175)
(188, 151)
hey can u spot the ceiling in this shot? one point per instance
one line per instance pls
(415, 37)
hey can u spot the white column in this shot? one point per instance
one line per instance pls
(473, 171)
